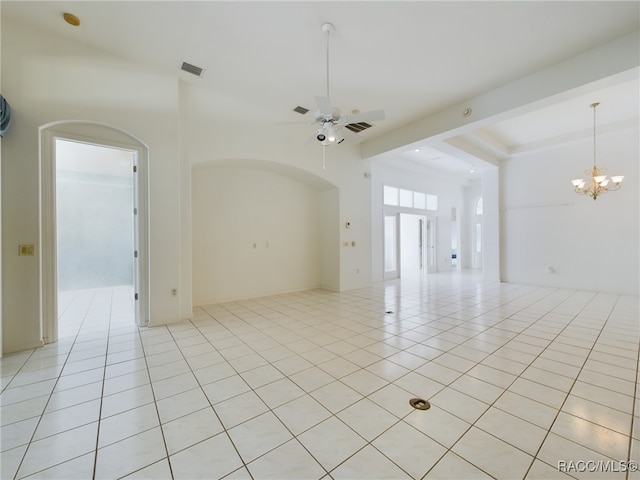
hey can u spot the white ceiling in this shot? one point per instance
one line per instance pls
(411, 59)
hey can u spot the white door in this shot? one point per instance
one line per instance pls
(391, 251)
(430, 244)
(412, 245)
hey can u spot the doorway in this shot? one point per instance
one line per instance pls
(95, 192)
(94, 222)
(409, 245)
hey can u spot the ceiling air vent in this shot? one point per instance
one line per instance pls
(358, 127)
(300, 110)
(187, 67)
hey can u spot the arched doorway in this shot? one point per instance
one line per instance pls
(98, 137)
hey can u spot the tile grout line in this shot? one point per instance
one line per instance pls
(559, 410)
(155, 404)
(104, 374)
(332, 415)
(392, 382)
(399, 419)
(517, 377)
(225, 429)
(633, 414)
(244, 312)
(41, 415)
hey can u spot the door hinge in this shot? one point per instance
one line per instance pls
(135, 169)
(135, 211)
(136, 297)
(135, 254)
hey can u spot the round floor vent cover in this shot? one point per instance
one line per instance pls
(420, 404)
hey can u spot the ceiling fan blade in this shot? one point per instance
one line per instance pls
(324, 106)
(362, 117)
(298, 122)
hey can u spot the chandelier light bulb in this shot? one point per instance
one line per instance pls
(617, 179)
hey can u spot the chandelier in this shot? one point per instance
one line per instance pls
(598, 183)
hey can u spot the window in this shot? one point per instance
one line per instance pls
(406, 198)
(399, 197)
(390, 196)
(432, 202)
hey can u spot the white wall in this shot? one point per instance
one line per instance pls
(491, 224)
(589, 245)
(49, 79)
(291, 148)
(329, 238)
(449, 190)
(255, 233)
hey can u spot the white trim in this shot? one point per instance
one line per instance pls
(93, 133)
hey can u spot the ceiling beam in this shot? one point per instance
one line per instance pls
(461, 148)
(573, 137)
(603, 66)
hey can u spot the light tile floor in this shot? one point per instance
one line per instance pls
(524, 382)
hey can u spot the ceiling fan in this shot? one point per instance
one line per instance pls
(330, 120)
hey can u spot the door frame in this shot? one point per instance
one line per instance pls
(102, 135)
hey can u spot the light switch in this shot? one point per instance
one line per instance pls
(27, 250)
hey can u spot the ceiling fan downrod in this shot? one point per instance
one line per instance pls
(327, 30)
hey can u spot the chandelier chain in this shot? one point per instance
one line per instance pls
(594, 133)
